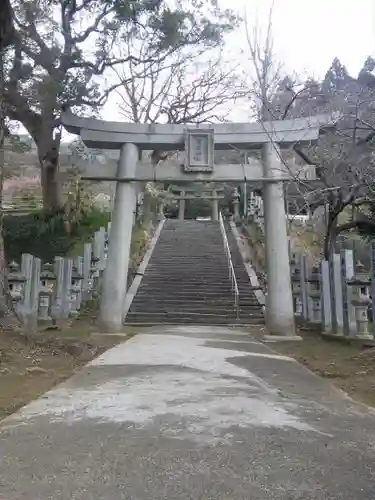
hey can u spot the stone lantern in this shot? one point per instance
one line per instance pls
(315, 295)
(361, 300)
(296, 291)
(76, 291)
(16, 283)
(47, 290)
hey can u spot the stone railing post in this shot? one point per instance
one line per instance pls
(86, 272)
(236, 206)
(338, 299)
(78, 267)
(27, 272)
(304, 287)
(31, 317)
(57, 309)
(47, 287)
(347, 269)
(67, 287)
(99, 248)
(326, 297)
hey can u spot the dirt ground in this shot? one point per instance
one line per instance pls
(348, 366)
(31, 366)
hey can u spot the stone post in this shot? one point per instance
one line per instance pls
(215, 206)
(27, 272)
(31, 320)
(236, 206)
(279, 311)
(347, 266)
(326, 297)
(86, 271)
(181, 207)
(304, 295)
(108, 230)
(296, 282)
(99, 247)
(57, 310)
(67, 287)
(78, 263)
(338, 317)
(116, 272)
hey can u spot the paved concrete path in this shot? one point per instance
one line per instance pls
(190, 413)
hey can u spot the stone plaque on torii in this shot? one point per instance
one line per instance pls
(199, 143)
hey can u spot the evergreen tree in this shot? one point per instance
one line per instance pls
(337, 78)
(367, 74)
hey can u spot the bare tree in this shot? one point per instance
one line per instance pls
(343, 158)
(191, 85)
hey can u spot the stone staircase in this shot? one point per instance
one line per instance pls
(186, 280)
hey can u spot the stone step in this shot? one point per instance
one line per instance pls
(188, 258)
(191, 294)
(184, 266)
(186, 287)
(187, 280)
(216, 301)
(188, 294)
(211, 319)
(173, 280)
(175, 299)
(189, 270)
(189, 309)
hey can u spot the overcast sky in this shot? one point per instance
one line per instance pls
(308, 34)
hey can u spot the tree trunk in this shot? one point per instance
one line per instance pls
(51, 185)
(330, 236)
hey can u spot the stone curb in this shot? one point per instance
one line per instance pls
(245, 254)
(133, 289)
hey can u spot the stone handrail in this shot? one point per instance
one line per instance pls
(232, 275)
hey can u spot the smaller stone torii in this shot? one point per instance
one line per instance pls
(211, 193)
(199, 143)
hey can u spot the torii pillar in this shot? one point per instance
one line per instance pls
(181, 206)
(116, 272)
(215, 206)
(279, 304)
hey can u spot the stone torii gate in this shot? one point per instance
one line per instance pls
(199, 143)
(189, 193)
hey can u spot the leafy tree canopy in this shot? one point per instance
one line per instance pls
(62, 48)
